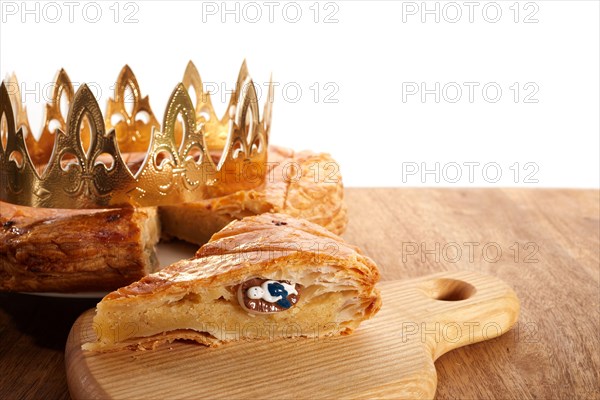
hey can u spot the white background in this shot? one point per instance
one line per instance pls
(366, 58)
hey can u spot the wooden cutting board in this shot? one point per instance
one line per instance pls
(390, 356)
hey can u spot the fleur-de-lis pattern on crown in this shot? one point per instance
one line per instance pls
(85, 167)
(133, 132)
(217, 128)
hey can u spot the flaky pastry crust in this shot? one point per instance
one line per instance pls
(195, 299)
(51, 250)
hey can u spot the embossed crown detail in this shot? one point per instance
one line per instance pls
(87, 160)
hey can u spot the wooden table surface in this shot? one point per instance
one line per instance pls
(544, 243)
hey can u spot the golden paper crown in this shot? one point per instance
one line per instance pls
(126, 157)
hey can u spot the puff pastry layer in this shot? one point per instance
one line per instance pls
(197, 300)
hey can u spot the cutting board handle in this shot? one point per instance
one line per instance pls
(452, 310)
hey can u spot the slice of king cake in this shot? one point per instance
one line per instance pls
(264, 276)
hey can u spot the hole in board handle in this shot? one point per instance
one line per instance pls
(451, 290)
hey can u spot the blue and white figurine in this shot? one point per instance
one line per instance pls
(272, 292)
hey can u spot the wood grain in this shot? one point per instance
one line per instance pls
(552, 352)
(390, 356)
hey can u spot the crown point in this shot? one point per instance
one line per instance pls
(191, 74)
(180, 87)
(83, 88)
(61, 74)
(62, 78)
